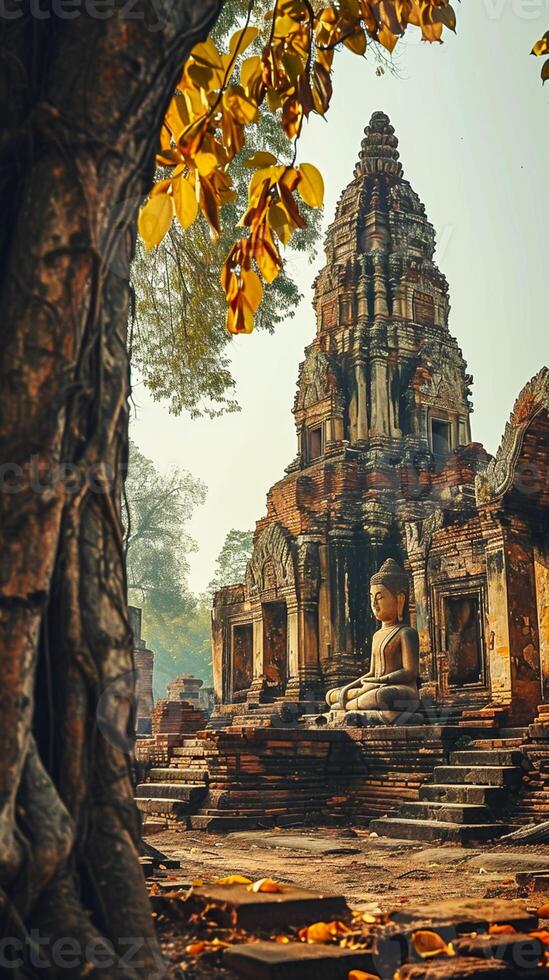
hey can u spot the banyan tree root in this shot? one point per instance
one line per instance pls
(81, 105)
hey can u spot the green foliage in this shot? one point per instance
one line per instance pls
(175, 626)
(180, 346)
(230, 567)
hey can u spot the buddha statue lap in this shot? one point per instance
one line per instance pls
(388, 692)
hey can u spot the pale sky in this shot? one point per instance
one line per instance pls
(473, 123)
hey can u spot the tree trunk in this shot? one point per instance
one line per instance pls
(81, 104)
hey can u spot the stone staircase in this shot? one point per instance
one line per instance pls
(173, 793)
(467, 797)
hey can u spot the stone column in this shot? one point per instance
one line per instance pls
(419, 536)
(541, 573)
(257, 652)
(308, 686)
(362, 401)
(379, 394)
(513, 647)
(342, 665)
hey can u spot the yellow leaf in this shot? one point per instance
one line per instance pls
(242, 39)
(264, 884)
(205, 163)
(252, 294)
(240, 105)
(311, 185)
(356, 42)
(429, 944)
(541, 47)
(184, 198)
(155, 219)
(206, 53)
(233, 880)
(250, 71)
(387, 39)
(240, 319)
(260, 159)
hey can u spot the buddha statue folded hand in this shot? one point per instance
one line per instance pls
(390, 688)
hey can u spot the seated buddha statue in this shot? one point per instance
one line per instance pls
(390, 688)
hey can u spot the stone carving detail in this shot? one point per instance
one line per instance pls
(271, 566)
(498, 476)
(419, 534)
(309, 570)
(318, 380)
(445, 388)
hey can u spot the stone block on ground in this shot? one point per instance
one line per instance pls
(451, 968)
(456, 916)
(295, 961)
(522, 951)
(295, 842)
(509, 862)
(235, 905)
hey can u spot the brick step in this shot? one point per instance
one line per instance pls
(165, 807)
(183, 792)
(177, 775)
(463, 793)
(494, 757)
(478, 775)
(436, 830)
(460, 813)
(487, 744)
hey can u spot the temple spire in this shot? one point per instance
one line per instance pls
(379, 153)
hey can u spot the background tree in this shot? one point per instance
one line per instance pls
(180, 346)
(230, 566)
(176, 625)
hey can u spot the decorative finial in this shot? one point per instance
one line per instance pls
(379, 153)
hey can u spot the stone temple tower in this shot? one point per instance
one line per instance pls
(382, 415)
(383, 350)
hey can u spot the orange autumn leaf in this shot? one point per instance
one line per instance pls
(543, 912)
(323, 932)
(542, 935)
(429, 944)
(497, 930)
(265, 885)
(361, 975)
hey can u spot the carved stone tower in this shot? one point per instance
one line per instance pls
(382, 415)
(383, 375)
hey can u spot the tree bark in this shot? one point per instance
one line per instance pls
(81, 105)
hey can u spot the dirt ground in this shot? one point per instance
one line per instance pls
(381, 876)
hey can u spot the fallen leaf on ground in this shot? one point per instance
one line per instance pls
(265, 885)
(543, 912)
(429, 944)
(323, 932)
(495, 930)
(360, 975)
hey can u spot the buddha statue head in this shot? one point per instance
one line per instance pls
(389, 589)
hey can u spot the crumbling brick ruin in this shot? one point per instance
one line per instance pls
(385, 468)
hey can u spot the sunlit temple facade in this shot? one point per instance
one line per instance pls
(385, 467)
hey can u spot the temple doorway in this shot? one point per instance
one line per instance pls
(275, 645)
(464, 640)
(242, 661)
